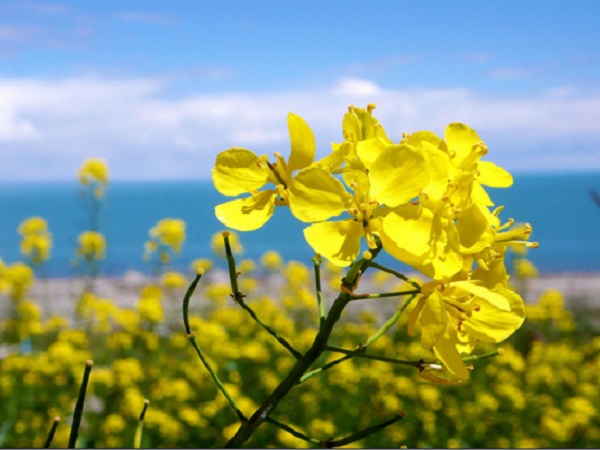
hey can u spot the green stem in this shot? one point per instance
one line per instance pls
(137, 439)
(317, 260)
(248, 428)
(388, 323)
(269, 330)
(239, 298)
(192, 338)
(51, 432)
(491, 354)
(385, 294)
(325, 367)
(361, 354)
(364, 433)
(231, 264)
(186, 302)
(395, 273)
(79, 405)
(293, 432)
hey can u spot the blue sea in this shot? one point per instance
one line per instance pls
(565, 220)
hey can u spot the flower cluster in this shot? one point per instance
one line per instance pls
(37, 240)
(94, 173)
(166, 239)
(421, 199)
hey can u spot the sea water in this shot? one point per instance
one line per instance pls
(564, 216)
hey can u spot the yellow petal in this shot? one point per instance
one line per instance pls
(460, 140)
(303, 143)
(433, 320)
(479, 195)
(481, 292)
(494, 176)
(338, 241)
(407, 229)
(492, 324)
(445, 349)
(316, 195)
(398, 175)
(237, 171)
(369, 150)
(474, 229)
(248, 213)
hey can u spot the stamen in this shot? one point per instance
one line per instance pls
(371, 107)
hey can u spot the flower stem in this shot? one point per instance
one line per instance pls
(137, 439)
(361, 354)
(385, 294)
(191, 336)
(317, 260)
(55, 423)
(239, 299)
(395, 273)
(388, 323)
(293, 432)
(79, 405)
(325, 367)
(364, 433)
(248, 428)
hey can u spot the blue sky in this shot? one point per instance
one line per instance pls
(158, 88)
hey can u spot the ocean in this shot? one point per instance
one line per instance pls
(564, 216)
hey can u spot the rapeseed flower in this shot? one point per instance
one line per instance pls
(37, 240)
(240, 171)
(94, 172)
(92, 246)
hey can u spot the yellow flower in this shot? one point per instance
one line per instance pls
(239, 171)
(455, 314)
(172, 279)
(93, 171)
(170, 233)
(395, 176)
(37, 240)
(271, 260)
(92, 245)
(19, 278)
(201, 263)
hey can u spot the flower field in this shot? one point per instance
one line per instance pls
(541, 392)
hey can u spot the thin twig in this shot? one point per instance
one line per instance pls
(79, 405)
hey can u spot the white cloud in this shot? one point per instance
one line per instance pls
(47, 127)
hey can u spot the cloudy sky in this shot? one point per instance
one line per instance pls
(158, 88)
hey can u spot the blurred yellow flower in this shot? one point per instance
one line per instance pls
(37, 240)
(173, 280)
(272, 260)
(92, 245)
(94, 172)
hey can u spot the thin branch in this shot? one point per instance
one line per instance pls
(364, 433)
(317, 260)
(361, 354)
(79, 405)
(293, 432)
(395, 273)
(52, 431)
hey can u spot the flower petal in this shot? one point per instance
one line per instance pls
(445, 349)
(433, 320)
(398, 175)
(237, 171)
(303, 143)
(338, 241)
(494, 176)
(248, 213)
(316, 195)
(460, 139)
